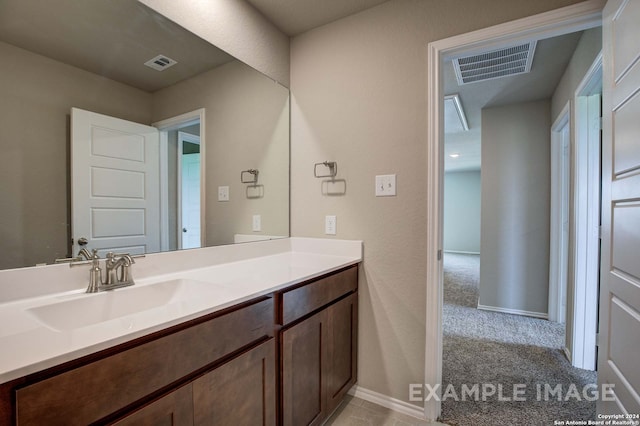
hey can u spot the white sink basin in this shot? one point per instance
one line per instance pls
(96, 308)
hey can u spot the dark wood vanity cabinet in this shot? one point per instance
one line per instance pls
(319, 351)
(287, 358)
(173, 409)
(149, 378)
(241, 392)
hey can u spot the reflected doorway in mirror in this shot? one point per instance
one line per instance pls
(189, 194)
(182, 150)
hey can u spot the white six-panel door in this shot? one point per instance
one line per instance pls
(619, 348)
(115, 175)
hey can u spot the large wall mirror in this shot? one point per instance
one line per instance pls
(215, 118)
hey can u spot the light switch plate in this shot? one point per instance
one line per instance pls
(330, 224)
(257, 223)
(385, 185)
(223, 193)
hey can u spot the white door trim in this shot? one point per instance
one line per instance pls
(558, 237)
(568, 19)
(173, 123)
(586, 219)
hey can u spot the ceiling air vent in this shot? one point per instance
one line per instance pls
(495, 64)
(160, 63)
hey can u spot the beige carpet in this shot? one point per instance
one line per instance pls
(517, 353)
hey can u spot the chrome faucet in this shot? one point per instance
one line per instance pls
(117, 270)
(118, 263)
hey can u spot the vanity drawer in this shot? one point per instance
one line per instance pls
(303, 300)
(88, 393)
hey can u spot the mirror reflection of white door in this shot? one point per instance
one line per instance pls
(115, 192)
(189, 192)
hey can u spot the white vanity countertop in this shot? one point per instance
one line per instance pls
(43, 331)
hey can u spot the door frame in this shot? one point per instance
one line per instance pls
(165, 126)
(577, 17)
(586, 220)
(194, 139)
(560, 190)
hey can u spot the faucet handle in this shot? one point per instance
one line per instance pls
(127, 257)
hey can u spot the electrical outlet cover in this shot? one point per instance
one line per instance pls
(257, 223)
(330, 224)
(385, 185)
(223, 193)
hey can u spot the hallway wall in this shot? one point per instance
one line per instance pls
(462, 212)
(514, 261)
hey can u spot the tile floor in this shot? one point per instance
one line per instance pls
(358, 412)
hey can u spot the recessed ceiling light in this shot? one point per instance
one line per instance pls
(454, 155)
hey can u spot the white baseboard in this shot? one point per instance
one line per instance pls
(461, 252)
(387, 402)
(514, 311)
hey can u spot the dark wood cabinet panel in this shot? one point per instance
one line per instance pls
(342, 343)
(319, 356)
(302, 384)
(303, 300)
(239, 392)
(173, 409)
(102, 387)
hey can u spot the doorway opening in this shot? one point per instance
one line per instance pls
(573, 18)
(182, 153)
(496, 315)
(189, 167)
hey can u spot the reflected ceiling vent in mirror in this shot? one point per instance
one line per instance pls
(160, 63)
(495, 64)
(454, 119)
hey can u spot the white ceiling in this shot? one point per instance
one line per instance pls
(294, 17)
(549, 63)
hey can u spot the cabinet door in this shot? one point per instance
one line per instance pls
(240, 392)
(341, 348)
(302, 382)
(174, 409)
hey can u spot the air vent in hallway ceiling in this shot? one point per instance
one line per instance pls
(160, 63)
(495, 64)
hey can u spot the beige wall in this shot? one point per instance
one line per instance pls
(37, 95)
(514, 260)
(588, 47)
(247, 127)
(461, 215)
(235, 27)
(359, 97)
